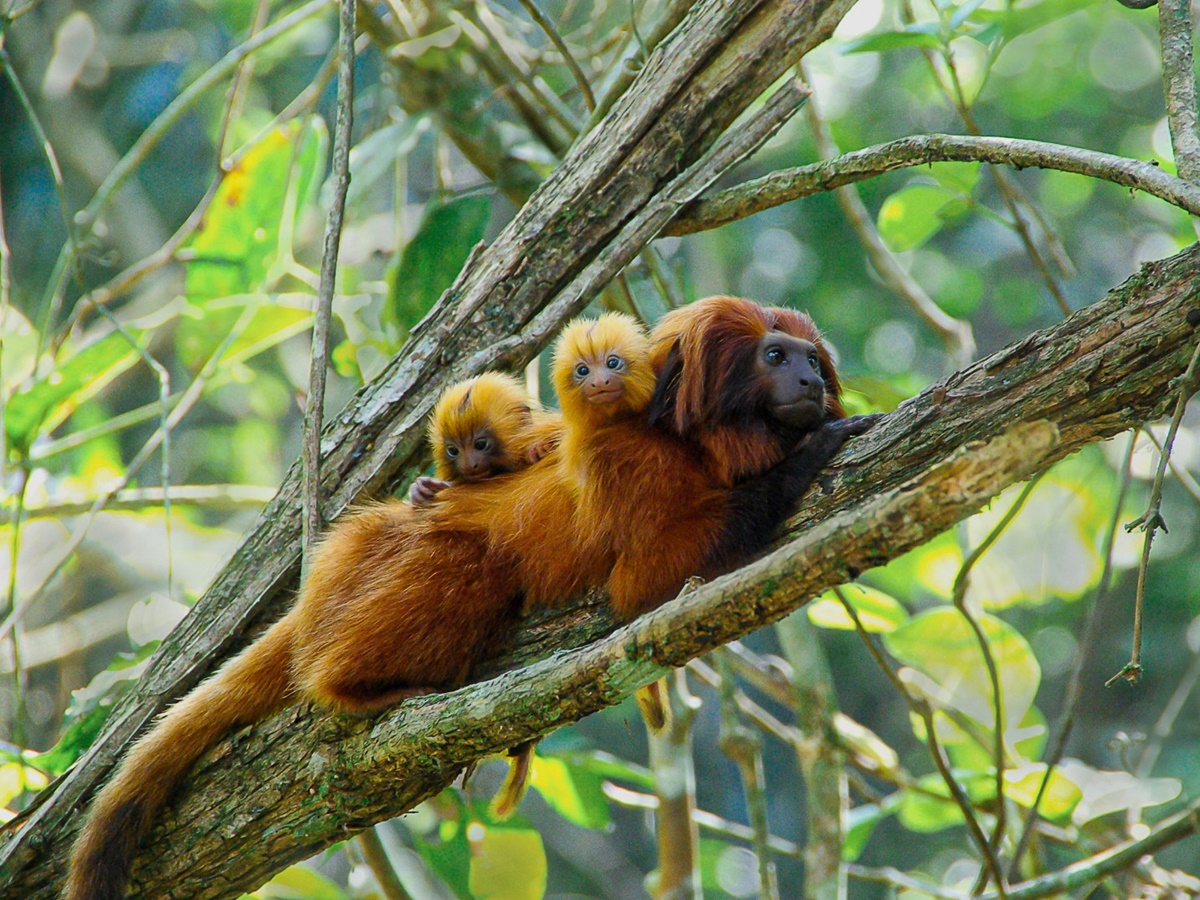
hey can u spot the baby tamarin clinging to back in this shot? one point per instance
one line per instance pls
(481, 427)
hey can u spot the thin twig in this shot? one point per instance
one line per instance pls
(86, 218)
(820, 755)
(956, 96)
(547, 26)
(376, 858)
(1185, 478)
(186, 402)
(1151, 520)
(733, 147)
(743, 746)
(956, 334)
(897, 879)
(1175, 828)
(1074, 690)
(922, 709)
(676, 838)
(209, 496)
(319, 363)
(632, 799)
(959, 598)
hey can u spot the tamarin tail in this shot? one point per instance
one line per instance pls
(516, 782)
(245, 689)
(652, 701)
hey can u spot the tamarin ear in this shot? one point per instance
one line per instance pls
(662, 405)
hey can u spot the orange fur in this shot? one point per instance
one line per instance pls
(389, 611)
(399, 603)
(396, 604)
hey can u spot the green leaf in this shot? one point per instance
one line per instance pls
(298, 883)
(573, 791)
(605, 765)
(964, 12)
(18, 348)
(272, 323)
(373, 159)
(957, 176)
(1023, 18)
(1105, 792)
(924, 35)
(1061, 795)
(430, 262)
(16, 778)
(508, 861)
(877, 611)
(446, 850)
(90, 707)
(914, 214)
(241, 236)
(1051, 550)
(74, 740)
(861, 822)
(77, 376)
(929, 807)
(941, 646)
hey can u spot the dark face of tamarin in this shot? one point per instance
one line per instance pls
(788, 372)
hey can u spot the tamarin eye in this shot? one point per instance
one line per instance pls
(775, 356)
(483, 445)
(581, 371)
(452, 451)
(613, 362)
(815, 362)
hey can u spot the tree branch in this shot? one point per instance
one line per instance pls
(790, 184)
(303, 779)
(703, 75)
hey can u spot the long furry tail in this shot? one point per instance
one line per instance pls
(245, 689)
(516, 782)
(652, 701)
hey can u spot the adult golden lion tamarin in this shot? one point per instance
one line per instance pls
(401, 602)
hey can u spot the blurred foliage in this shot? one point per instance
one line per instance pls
(104, 338)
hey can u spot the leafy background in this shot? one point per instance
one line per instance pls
(107, 338)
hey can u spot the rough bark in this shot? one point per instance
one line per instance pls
(303, 779)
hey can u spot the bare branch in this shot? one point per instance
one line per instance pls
(1179, 85)
(771, 190)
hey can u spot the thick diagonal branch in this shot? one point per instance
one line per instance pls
(302, 779)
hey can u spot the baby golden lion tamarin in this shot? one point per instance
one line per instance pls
(603, 378)
(481, 427)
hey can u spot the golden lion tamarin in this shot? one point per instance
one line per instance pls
(603, 379)
(481, 427)
(399, 603)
